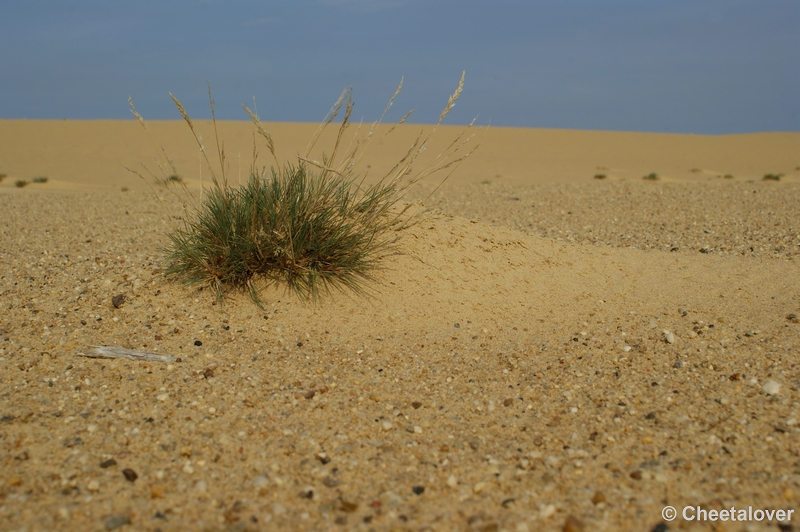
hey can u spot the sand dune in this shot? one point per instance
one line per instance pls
(546, 348)
(95, 153)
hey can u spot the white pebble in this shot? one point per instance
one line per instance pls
(547, 511)
(669, 337)
(479, 487)
(201, 486)
(162, 396)
(452, 481)
(93, 486)
(386, 425)
(626, 348)
(92, 428)
(187, 468)
(771, 388)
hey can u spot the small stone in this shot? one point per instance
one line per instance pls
(322, 457)
(669, 337)
(793, 318)
(418, 490)
(93, 486)
(678, 364)
(118, 300)
(547, 511)
(261, 484)
(108, 463)
(198, 343)
(386, 425)
(598, 497)
(573, 524)
(508, 402)
(130, 474)
(479, 487)
(311, 394)
(116, 521)
(452, 481)
(348, 507)
(410, 428)
(331, 482)
(682, 311)
(771, 387)
(416, 405)
(474, 445)
(636, 475)
(626, 348)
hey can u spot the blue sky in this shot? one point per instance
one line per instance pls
(700, 66)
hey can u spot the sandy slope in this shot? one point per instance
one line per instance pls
(497, 379)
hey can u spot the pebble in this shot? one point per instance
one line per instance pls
(261, 484)
(418, 490)
(669, 337)
(771, 387)
(162, 396)
(130, 474)
(598, 497)
(116, 521)
(386, 425)
(479, 487)
(93, 486)
(678, 364)
(547, 511)
(573, 524)
(626, 348)
(331, 482)
(118, 300)
(452, 481)
(108, 463)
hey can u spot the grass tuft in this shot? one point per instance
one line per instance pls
(3, 176)
(41, 179)
(651, 177)
(21, 183)
(600, 176)
(772, 177)
(312, 225)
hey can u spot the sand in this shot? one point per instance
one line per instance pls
(548, 351)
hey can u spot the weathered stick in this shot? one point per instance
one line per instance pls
(105, 351)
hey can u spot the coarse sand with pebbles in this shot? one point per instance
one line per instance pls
(546, 351)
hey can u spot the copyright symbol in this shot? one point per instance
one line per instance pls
(669, 513)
